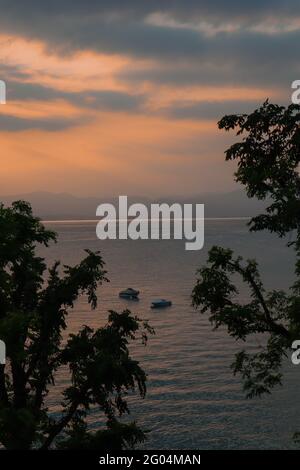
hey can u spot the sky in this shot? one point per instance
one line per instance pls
(123, 97)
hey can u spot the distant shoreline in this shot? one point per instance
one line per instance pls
(77, 221)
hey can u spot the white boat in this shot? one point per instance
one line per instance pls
(129, 294)
(161, 303)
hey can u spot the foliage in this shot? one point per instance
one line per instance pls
(268, 157)
(33, 317)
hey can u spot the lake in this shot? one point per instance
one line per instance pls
(193, 401)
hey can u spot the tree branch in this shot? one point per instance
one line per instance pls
(60, 425)
(275, 327)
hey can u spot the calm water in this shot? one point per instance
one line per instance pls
(193, 400)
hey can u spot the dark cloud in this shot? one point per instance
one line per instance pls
(31, 91)
(218, 10)
(17, 124)
(93, 99)
(216, 73)
(185, 54)
(11, 72)
(210, 110)
(88, 100)
(108, 100)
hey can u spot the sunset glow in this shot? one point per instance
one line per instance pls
(113, 112)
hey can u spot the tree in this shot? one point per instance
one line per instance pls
(268, 157)
(33, 316)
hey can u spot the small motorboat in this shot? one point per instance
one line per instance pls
(129, 293)
(161, 303)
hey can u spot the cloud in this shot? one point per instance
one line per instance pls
(94, 99)
(215, 73)
(168, 33)
(31, 91)
(210, 110)
(150, 80)
(216, 9)
(12, 72)
(108, 100)
(18, 124)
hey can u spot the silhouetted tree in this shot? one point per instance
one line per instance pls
(33, 315)
(268, 157)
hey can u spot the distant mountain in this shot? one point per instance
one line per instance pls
(59, 206)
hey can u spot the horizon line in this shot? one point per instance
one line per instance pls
(74, 221)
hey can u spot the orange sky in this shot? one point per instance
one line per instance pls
(78, 136)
